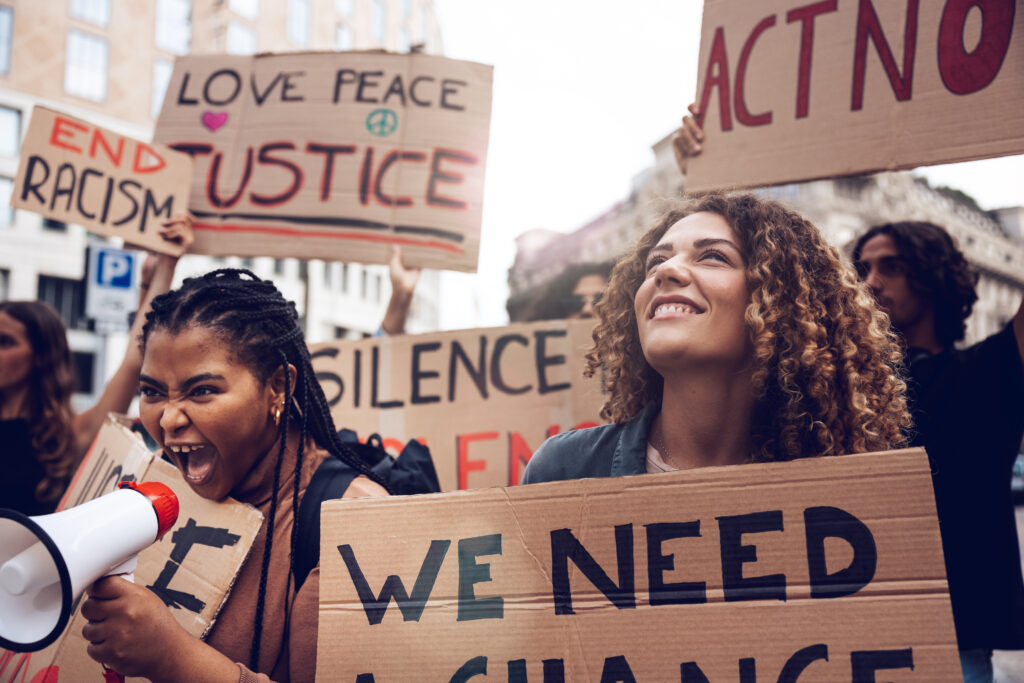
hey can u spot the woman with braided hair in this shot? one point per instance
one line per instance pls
(732, 334)
(228, 392)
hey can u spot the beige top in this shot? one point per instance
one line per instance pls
(288, 641)
(656, 463)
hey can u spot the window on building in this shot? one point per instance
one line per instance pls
(6, 35)
(68, 297)
(327, 274)
(94, 11)
(56, 226)
(344, 277)
(85, 67)
(343, 37)
(343, 7)
(279, 266)
(379, 23)
(250, 9)
(5, 284)
(241, 39)
(299, 22)
(10, 131)
(161, 77)
(247, 262)
(174, 25)
(6, 212)
(304, 271)
(84, 366)
(363, 284)
(377, 287)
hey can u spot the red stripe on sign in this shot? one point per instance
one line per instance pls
(292, 232)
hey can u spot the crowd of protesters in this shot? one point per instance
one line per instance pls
(730, 333)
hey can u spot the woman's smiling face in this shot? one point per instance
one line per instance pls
(207, 410)
(691, 305)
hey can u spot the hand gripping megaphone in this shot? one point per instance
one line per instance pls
(46, 562)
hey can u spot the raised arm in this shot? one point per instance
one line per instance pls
(688, 140)
(121, 389)
(403, 286)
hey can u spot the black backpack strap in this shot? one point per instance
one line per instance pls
(330, 481)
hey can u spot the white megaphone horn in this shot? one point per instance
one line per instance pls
(46, 562)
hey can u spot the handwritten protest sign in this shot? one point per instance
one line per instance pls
(191, 568)
(826, 569)
(791, 90)
(73, 171)
(333, 155)
(482, 400)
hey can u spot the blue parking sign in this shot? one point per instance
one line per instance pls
(114, 269)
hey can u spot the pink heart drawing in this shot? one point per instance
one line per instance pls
(214, 121)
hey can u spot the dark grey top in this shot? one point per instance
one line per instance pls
(615, 450)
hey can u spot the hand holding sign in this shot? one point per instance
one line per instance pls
(73, 171)
(687, 141)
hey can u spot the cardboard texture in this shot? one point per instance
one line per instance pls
(646, 578)
(192, 567)
(794, 91)
(482, 400)
(73, 171)
(333, 155)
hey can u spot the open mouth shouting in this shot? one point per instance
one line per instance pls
(194, 460)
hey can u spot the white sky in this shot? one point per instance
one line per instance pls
(582, 89)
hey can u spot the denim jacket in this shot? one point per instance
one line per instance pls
(612, 450)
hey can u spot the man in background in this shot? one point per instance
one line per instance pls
(968, 409)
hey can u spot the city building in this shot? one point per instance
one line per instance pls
(109, 62)
(843, 208)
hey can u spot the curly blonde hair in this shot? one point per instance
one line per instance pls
(827, 367)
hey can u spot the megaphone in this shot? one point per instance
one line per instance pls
(46, 562)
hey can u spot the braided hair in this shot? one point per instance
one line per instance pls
(261, 327)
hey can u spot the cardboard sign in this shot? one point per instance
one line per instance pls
(333, 155)
(482, 400)
(73, 171)
(826, 569)
(191, 568)
(791, 90)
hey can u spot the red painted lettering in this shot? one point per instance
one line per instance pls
(806, 16)
(145, 153)
(868, 25)
(99, 140)
(965, 72)
(464, 465)
(439, 175)
(743, 115)
(717, 75)
(59, 131)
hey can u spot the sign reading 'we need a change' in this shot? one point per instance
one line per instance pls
(333, 155)
(818, 570)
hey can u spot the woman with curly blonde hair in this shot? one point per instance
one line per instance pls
(732, 334)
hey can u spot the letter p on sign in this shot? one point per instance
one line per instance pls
(115, 270)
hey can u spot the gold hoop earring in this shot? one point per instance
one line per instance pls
(276, 414)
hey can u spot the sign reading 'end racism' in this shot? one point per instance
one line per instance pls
(76, 172)
(334, 155)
